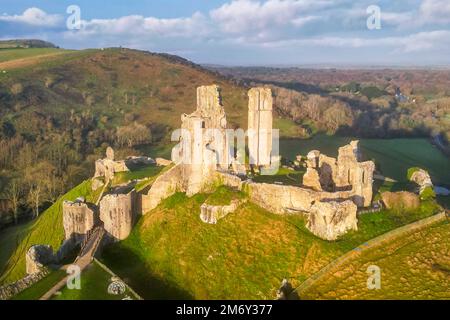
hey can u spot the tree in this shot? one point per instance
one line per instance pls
(14, 194)
(34, 198)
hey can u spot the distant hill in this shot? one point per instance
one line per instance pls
(59, 109)
(26, 43)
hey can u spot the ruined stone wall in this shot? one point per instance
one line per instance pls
(229, 180)
(10, 290)
(211, 214)
(346, 173)
(164, 186)
(38, 257)
(260, 126)
(78, 219)
(329, 220)
(118, 214)
(282, 199)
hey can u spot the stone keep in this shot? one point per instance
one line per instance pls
(117, 214)
(203, 146)
(78, 219)
(260, 126)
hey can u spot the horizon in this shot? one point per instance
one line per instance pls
(247, 32)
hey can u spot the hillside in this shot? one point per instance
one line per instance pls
(59, 110)
(25, 44)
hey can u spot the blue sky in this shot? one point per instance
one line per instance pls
(246, 32)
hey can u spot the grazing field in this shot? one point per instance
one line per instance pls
(172, 254)
(413, 267)
(392, 156)
(46, 229)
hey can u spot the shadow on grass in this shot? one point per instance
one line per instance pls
(138, 275)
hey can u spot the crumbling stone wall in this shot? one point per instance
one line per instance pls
(201, 150)
(78, 219)
(108, 166)
(329, 220)
(10, 290)
(346, 173)
(211, 214)
(38, 257)
(260, 126)
(164, 186)
(282, 199)
(117, 212)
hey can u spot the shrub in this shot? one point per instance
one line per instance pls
(427, 194)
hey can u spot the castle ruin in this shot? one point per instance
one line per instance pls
(260, 126)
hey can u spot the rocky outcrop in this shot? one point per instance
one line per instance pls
(117, 212)
(211, 214)
(78, 219)
(422, 178)
(38, 257)
(329, 220)
(400, 200)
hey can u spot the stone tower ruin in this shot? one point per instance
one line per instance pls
(203, 145)
(260, 126)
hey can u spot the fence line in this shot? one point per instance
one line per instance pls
(393, 234)
(104, 267)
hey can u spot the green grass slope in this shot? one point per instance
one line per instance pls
(413, 267)
(46, 229)
(171, 253)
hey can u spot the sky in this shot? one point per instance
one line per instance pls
(245, 32)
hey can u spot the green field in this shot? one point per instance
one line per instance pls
(14, 54)
(392, 156)
(172, 254)
(46, 229)
(138, 173)
(94, 286)
(416, 266)
(37, 290)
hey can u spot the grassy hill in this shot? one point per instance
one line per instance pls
(59, 109)
(171, 253)
(47, 229)
(413, 267)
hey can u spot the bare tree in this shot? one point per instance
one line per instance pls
(14, 194)
(34, 198)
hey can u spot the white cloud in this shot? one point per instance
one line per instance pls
(34, 17)
(242, 16)
(139, 27)
(435, 11)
